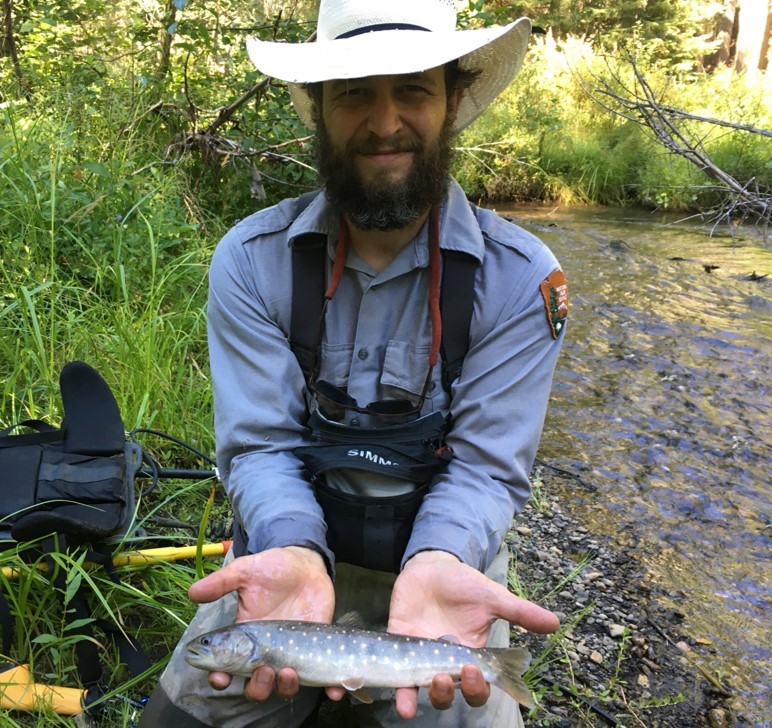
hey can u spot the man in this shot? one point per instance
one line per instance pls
(397, 509)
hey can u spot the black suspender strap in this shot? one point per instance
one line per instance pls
(309, 257)
(309, 253)
(456, 308)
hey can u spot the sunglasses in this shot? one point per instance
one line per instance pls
(334, 403)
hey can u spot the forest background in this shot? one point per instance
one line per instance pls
(133, 134)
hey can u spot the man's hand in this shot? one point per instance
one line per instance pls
(282, 583)
(436, 595)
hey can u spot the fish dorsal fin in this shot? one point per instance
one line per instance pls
(509, 664)
(354, 686)
(450, 638)
(352, 619)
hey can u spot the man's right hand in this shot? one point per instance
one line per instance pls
(282, 583)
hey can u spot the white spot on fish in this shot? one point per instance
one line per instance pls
(436, 651)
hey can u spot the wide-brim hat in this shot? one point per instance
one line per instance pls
(361, 38)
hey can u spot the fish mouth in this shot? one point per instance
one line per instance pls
(197, 655)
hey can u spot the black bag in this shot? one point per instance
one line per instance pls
(373, 532)
(77, 481)
(72, 487)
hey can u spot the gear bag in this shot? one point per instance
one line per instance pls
(78, 480)
(72, 487)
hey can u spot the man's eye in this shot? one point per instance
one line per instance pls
(352, 92)
(415, 89)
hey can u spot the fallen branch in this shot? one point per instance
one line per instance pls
(642, 106)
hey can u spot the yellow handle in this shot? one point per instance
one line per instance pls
(145, 557)
(18, 692)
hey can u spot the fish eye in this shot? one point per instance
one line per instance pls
(205, 641)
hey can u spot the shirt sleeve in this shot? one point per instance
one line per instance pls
(260, 408)
(498, 405)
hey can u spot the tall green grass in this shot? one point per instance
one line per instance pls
(547, 138)
(108, 265)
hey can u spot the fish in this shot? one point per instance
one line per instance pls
(326, 655)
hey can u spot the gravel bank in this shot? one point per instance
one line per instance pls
(620, 649)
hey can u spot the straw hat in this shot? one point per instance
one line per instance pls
(360, 38)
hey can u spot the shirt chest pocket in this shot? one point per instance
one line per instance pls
(405, 367)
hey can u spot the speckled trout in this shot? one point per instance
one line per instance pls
(331, 654)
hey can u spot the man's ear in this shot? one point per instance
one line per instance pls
(454, 99)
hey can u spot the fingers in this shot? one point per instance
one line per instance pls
(474, 688)
(441, 691)
(217, 584)
(260, 686)
(406, 700)
(515, 610)
(336, 693)
(219, 680)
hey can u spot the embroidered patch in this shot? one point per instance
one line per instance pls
(554, 291)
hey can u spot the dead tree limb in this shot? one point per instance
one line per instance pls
(642, 106)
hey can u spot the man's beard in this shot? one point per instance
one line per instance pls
(382, 204)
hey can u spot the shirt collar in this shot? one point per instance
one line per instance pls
(459, 230)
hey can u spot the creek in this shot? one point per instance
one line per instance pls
(660, 408)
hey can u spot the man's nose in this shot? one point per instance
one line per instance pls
(385, 118)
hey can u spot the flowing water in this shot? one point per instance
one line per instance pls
(660, 401)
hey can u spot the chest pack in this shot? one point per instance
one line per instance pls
(373, 531)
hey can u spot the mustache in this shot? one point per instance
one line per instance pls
(375, 145)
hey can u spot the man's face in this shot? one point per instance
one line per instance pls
(383, 146)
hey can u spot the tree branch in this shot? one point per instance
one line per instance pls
(642, 106)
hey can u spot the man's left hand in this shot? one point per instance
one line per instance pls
(436, 595)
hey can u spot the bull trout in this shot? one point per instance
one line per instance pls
(330, 655)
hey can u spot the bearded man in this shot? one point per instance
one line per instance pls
(386, 286)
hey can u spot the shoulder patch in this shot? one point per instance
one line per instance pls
(554, 291)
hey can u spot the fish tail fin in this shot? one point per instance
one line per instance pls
(509, 665)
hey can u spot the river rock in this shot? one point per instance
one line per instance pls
(718, 718)
(616, 630)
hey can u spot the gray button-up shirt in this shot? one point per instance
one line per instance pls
(376, 345)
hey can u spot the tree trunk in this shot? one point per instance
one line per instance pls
(8, 48)
(725, 32)
(751, 36)
(166, 42)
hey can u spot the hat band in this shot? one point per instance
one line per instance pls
(381, 26)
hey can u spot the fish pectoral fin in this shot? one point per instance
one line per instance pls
(450, 638)
(352, 619)
(354, 686)
(363, 696)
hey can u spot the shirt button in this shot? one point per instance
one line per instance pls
(362, 354)
(354, 422)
